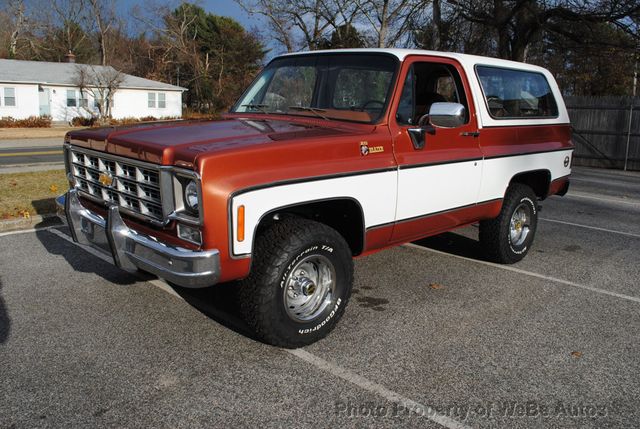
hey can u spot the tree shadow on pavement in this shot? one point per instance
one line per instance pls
(79, 259)
(5, 321)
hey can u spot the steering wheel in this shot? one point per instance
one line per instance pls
(366, 103)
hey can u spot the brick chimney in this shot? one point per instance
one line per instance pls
(69, 57)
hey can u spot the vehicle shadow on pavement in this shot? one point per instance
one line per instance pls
(219, 303)
(454, 244)
(5, 321)
(79, 259)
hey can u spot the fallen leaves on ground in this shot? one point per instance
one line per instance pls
(576, 355)
(435, 286)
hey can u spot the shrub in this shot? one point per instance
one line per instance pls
(30, 122)
(81, 121)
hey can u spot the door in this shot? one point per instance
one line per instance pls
(45, 102)
(439, 168)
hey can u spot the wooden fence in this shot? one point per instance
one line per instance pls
(606, 131)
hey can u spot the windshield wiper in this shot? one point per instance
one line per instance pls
(260, 107)
(315, 110)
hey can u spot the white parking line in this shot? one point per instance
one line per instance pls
(529, 273)
(605, 199)
(377, 389)
(156, 282)
(613, 231)
(25, 231)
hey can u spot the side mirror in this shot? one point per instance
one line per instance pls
(447, 115)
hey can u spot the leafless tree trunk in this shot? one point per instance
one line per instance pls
(437, 25)
(103, 18)
(17, 10)
(390, 20)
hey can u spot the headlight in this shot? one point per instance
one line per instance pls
(191, 196)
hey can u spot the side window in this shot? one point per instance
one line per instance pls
(429, 83)
(513, 94)
(404, 115)
(162, 100)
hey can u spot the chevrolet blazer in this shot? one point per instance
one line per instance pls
(328, 155)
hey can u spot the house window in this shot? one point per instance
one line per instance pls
(84, 100)
(160, 97)
(9, 96)
(71, 98)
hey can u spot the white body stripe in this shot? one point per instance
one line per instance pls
(436, 188)
(376, 193)
(395, 195)
(498, 172)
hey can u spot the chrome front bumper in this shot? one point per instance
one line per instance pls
(132, 250)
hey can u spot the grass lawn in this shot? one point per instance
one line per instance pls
(25, 194)
(34, 133)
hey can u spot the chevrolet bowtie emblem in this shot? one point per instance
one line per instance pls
(106, 179)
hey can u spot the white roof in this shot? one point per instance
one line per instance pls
(401, 54)
(65, 74)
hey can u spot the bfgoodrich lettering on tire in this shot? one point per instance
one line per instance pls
(508, 238)
(300, 282)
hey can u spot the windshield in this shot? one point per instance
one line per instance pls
(348, 87)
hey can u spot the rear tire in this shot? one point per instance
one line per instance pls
(300, 282)
(508, 238)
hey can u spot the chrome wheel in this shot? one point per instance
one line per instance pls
(520, 224)
(309, 288)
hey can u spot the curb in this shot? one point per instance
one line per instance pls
(31, 222)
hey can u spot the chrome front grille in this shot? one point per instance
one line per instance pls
(135, 186)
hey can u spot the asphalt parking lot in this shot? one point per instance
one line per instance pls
(433, 336)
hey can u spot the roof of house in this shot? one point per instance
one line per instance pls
(42, 72)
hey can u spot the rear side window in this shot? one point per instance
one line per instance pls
(516, 94)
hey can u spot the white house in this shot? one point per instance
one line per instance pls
(36, 88)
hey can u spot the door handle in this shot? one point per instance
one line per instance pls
(470, 134)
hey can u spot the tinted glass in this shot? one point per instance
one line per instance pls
(516, 93)
(346, 87)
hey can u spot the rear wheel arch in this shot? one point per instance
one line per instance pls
(538, 180)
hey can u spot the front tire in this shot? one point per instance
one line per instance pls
(508, 238)
(299, 284)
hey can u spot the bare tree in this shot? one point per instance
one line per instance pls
(278, 17)
(390, 20)
(313, 20)
(518, 23)
(17, 13)
(103, 17)
(102, 82)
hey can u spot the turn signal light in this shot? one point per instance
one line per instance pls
(240, 232)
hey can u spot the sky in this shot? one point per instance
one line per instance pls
(218, 7)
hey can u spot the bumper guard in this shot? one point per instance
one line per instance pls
(132, 250)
